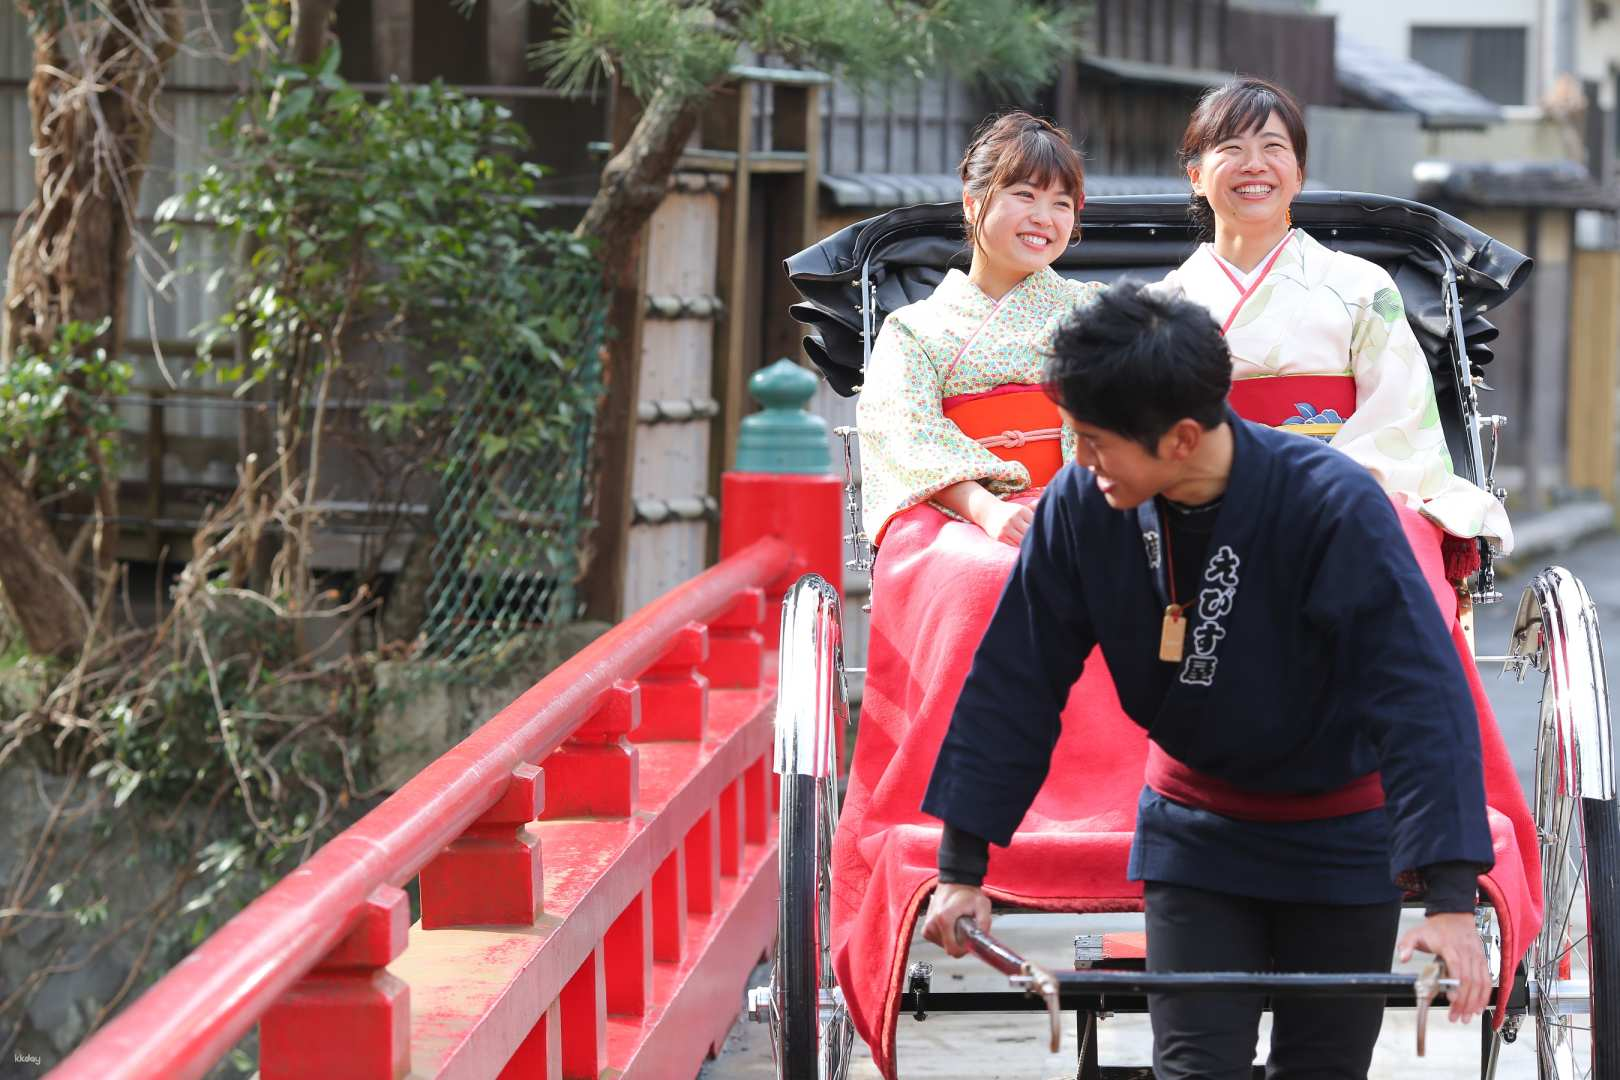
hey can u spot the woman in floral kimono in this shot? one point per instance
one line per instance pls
(957, 438)
(952, 411)
(1320, 345)
(1319, 338)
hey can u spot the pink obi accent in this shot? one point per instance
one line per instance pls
(1016, 422)
(1189, 787)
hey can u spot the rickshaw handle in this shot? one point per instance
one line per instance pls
(1037, 981)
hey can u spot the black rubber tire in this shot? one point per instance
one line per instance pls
(797, 957)
(1601, 821)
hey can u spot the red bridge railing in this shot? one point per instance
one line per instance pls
(596, 865)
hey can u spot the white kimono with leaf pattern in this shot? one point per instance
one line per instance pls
(1323, 312)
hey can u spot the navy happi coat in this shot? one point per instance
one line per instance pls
(1315, 654)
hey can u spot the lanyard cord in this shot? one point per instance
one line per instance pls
(1169, 556)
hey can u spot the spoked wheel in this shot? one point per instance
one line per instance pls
(816, 1033)
(1575, 960)
(811, 1032)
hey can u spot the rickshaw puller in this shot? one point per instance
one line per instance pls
(1314, 746)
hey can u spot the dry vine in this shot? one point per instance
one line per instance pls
(262, 725)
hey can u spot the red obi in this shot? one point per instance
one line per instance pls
(1316, 405)
(1189, 787)
(1016, 422)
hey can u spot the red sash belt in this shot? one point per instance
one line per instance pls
(1016, 422)
(1283, 401)
(1186, 785)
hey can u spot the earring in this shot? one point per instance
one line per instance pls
(1289, 214)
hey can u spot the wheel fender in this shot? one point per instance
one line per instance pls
(812, 701)
(1556, 629)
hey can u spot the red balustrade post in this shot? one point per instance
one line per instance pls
(669, 907)
(539, 1056)
(703, 864)
(584, 1021)
(594, 773)
(491, 876)
(737, 645)
(757, 802)
(348, 1019)
(783, 485)
(627, 957)
(674, 694)
(731, 829)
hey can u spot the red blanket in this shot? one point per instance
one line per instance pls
(935, 587)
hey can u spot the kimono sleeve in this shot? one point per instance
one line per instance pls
(998, 747)
(1401, 684)
(909, 451)
(1395, 430)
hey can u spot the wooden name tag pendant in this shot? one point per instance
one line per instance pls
(1172, 635)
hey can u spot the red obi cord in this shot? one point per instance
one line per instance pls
(1279, 400)
(1183, 784)
(1016, 422)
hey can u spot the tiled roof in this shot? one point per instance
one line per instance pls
(1387, 81)
(1513, 183)
(884, 191)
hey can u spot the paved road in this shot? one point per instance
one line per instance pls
(984, 1046)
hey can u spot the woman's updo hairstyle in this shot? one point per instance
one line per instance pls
(1017, 148)
(1238, 108)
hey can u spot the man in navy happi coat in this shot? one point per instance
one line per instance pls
(1313, 743)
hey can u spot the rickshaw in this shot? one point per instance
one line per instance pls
(1449, 275)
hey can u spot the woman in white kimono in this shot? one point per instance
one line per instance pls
(1319, 338)
(952, 412)
(1320, 345)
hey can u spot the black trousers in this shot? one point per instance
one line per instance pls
(1212, 1037)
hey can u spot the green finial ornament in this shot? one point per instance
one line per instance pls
(783, 437)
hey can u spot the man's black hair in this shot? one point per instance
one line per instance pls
(1136, 360)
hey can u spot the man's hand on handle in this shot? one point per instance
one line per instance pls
(1453, 938)
(950, 903)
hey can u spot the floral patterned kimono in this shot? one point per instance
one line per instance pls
(951, 350)
(956, 357)
(1338, 320)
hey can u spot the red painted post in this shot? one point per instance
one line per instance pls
(703, 864)
(348, 1019)
(731, 833)
(595, 773)
(805, 511)
(627, 958)
(669, 907)
(539, 1056)
(782, 485)
(584, 1021)
(758, 804)
(674, 695)
(736, 645)
(491, 876)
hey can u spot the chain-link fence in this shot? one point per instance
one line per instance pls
(511, 517)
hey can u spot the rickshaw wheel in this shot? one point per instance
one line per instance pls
(811, 1032)
(1574, 961)
(815, 1034)
(1576, 958)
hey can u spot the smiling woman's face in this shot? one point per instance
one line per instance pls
(1024, 227)
(1249, 179)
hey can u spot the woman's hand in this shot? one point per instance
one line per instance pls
(1007, 522)
(1453, 938)
(950, 903)
(1004, 521)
